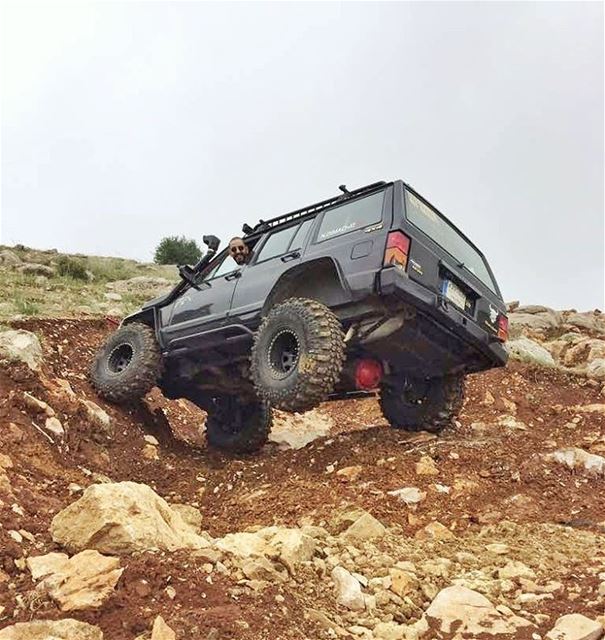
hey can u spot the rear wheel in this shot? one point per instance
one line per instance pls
(237, 425)
(417, 405)
(298, 354)
(128, 365)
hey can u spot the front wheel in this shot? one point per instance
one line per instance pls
(236, 425)
(417, 405)
(128, 365)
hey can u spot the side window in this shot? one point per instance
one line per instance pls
(226, 266)
(301, 234)
(277, 243)
(350, 217)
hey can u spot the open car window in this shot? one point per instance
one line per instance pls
(225, 266)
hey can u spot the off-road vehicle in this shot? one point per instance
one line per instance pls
(371, 291)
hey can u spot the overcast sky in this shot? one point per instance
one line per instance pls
(126, 122)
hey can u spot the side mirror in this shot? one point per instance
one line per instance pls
(212, 242)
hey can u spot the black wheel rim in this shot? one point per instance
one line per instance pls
(120, 358)
(414, 392)
(231, 415)
(283, 354)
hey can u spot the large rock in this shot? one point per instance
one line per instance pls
(389, 631)
(287, 546)
(596, 369)
(295, 431)
(37, 406)
(243, 544)
(9, 258)
(584, 351)
(85, 581)
(34, 269)
(67, 629)
(161, 631)
(434, 531)
(559, 347)
(575, 626)
(402, 582)
(54, 427)
(21, 346)
(469, 614)
(527, 350)
(261, 569)
(42, 566)
(533, 309)
(522, 321)
(121, 518)
(365, 527)
(408, 495)
(190, 515)
(98, 417)
(292, 546)
(514, 570)
(594, 322)
(426, 466)
(348, 589)
(579, 460)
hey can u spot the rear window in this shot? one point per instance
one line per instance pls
(351, 216)
(442, 232)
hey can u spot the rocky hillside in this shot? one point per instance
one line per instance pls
(51, 284)
(120, 524)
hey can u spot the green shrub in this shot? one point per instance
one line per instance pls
(111, 269)
(26, 307)
(177, 250)
(72, 268)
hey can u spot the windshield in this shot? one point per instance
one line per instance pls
(441, 231)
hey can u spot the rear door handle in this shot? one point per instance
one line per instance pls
(290, 256)
(234, 275)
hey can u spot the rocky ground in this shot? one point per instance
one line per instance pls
(120, 524)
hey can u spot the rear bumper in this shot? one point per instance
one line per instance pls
(392, 282)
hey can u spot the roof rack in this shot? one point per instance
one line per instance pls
(264, 225)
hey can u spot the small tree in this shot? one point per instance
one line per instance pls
(177, 250)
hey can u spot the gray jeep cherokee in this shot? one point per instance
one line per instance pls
(372, 291)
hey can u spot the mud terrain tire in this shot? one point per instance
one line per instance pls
(128, 365)
(240, 427)
(425, 406)
(298, 354)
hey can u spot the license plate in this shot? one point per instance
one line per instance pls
(454, 294)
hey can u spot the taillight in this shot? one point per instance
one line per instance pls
(398, 246)
(502, 328)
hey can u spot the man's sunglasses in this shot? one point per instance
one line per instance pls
(237, 248)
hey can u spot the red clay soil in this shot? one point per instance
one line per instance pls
(279, 487)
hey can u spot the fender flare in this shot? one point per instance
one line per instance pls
(147, 316)
(319, 279)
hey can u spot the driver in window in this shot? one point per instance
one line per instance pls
(239, 251)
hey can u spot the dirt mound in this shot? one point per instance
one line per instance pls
(518, 527)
